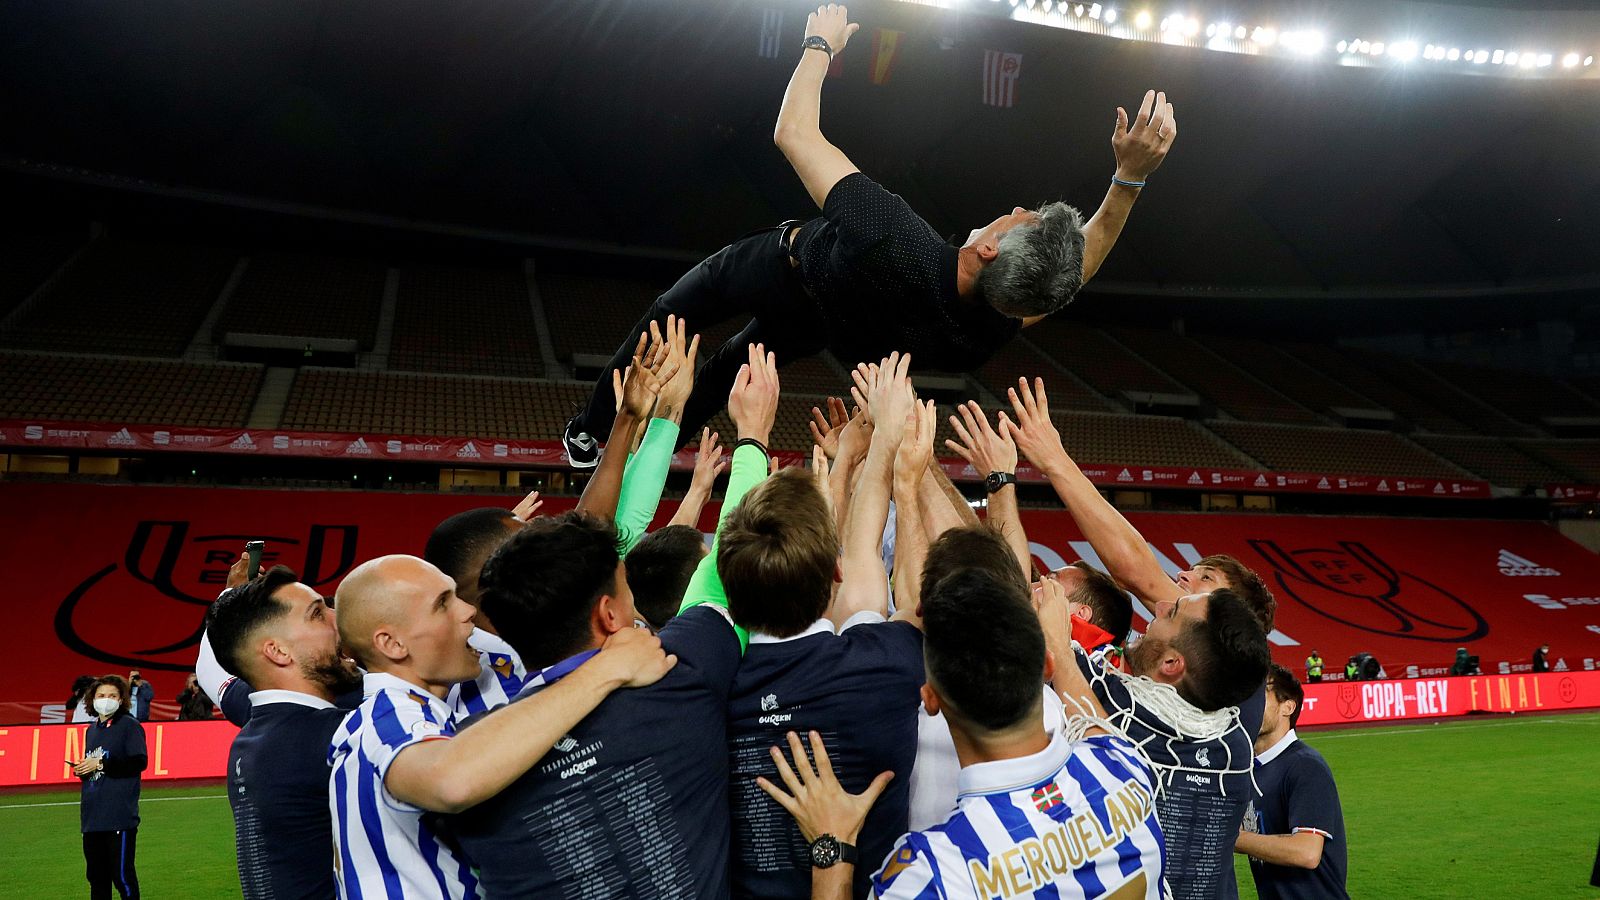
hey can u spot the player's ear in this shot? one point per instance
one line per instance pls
(1172, 665)
(1049, 667)
(1083, 611)
(930, 699)
(609, 616)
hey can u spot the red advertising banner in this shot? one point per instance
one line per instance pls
(32, 755)
(1573, 493)
(104, 578)
(478, 451)
(1426, 698)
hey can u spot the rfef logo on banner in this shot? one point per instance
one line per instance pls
(1514, 565)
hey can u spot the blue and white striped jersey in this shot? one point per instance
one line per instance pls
(1075, 821)
(384, 847)
(502, 676)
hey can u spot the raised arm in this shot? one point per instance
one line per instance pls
(798, 134)
(1128, 558)
(644, 382)
(452, 775)
(989, 451)
(1140, 146)
(886, 393)
(646, 472)
(911, 539)
(753, 406)
(708, 464)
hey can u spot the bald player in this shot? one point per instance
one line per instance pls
(459, 546)
(396, 759)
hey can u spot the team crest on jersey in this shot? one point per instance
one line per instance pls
(769, 703)
(1203, 756)
(418, 698)
(899, 862)
(501, 665)
(566, 745)
(1047, 797)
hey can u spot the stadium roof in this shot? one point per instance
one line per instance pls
(648, 125)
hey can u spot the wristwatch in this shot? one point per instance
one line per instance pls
(997, 480)
(817, 42)
(828, 851)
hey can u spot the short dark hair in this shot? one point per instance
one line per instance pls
(971, 547)
(115, 681)
(1225, 655)
(1285, 686)
(541, 586)
(240, 611)
(1243, 580)
(1039, 268)
(659, 568)
(459, 545)
(1113, 609)
(777, 552)
(983, 648)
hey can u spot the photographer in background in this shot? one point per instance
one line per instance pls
(193, 704)
(141, 693)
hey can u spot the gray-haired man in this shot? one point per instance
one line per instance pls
(870, 276)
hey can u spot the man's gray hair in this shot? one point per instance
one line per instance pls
(1039, 268)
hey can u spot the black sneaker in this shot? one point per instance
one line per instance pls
(583, 451)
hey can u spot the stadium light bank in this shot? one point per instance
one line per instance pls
(1354, 47)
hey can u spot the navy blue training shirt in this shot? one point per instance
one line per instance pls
(110, 797)
(1298, 795)
(278, 788)
(861, 690)
(634, 800)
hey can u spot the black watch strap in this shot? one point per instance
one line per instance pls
(828, 851)
(817, 42)
(997, 480)
(848, 854)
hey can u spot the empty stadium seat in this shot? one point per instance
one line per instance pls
(1213, 377)
(133, 391)
(1356, 374)
(1334, 450)
(1285, 373)
(1527, 397)
(306, 295)
(421, 404)
(465, 321)
(1580, 458)
(123, 296)
(1494, 460)
(31, 254)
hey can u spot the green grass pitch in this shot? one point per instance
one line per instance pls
(1504, 808)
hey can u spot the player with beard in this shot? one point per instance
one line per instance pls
(1195, 687)
(279, 635)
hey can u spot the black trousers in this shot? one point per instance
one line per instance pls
(108, 862)
(750, 277)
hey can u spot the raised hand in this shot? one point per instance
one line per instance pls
(984, 448)
(708, 462)
(832, 23)
(677, 349)
(1142, 145)
(643, 381)
(753, 402)
(816, 799)
(889, 397)
(528, 506)
(916, 448)
(1033, 431)
(855, 437)
(825, 428)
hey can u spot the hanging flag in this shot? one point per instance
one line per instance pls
(1000, 73)
(885, 48)
(771, 29)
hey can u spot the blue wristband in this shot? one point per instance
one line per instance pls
(1132, 184)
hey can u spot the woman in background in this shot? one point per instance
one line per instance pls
(109, 812)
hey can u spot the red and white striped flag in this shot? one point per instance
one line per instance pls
(1000, 73)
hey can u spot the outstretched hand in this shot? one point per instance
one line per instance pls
(984, 448)
(527, 507)
(1141, 145)
(832, 23)
(753, 402)
(825, 428)
(916, 448)
(679, 352)
(816, 799)
(638, 387)
(1033, 431)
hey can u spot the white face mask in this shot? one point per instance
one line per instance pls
(105, 706)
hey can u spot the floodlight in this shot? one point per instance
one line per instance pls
(1403, 51)
(1588, 60)
(1454, 54)
(1191, 27)
(1094, 11)
(1513, 58)
(1342, 46)
(1498, 57)
(1141, 20)
(1377, 48)
(1266, 37)
(1545, 59)
(1111, 16)
(1239, 33)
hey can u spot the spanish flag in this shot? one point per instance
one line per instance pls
(885, 47)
